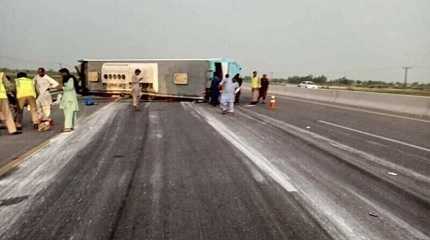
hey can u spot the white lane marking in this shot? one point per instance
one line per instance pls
(334, 219)
(417, 234)
(376, 136)
(155, 135)
(333, 215)
(254, 155)
(297, 131)
(355, 109)
(375, 143)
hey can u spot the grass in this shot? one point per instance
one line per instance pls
(377, 89)
(405, 91)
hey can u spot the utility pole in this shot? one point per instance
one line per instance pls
(406, 68)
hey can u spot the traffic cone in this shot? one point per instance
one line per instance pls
(272, 103)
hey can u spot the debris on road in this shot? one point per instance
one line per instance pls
(12, 201)
(373, 214)
(89, 101)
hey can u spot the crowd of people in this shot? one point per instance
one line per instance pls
(227, 91)
(34, 94)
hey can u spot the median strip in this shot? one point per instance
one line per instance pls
(356, 109)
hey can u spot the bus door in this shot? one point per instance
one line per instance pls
(219, 70)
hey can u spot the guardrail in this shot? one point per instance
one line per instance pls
(415, 105)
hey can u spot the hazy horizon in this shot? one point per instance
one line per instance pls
(362, 40)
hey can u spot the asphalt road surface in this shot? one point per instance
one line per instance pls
(13, 146)
(184, 171)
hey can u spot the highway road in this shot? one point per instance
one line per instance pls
(17, 145)
(181, 170)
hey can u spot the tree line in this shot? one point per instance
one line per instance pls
(319, 80)
(344, 81)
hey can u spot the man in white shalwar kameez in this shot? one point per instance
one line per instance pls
(229, 90)
(136, 89)
(43, 83)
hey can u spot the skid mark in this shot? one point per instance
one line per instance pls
(39, 170)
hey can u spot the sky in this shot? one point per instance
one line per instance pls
(358, 39)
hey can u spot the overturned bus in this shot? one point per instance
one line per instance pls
(173, 78)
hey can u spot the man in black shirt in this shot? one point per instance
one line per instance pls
(264, 87)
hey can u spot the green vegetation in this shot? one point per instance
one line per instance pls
(31, 73)
(298, 79)
(422, 89)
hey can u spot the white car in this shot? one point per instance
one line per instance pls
(308, 84)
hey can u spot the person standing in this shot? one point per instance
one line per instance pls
(6, 114)
(215, 90)
(229, 90)
(11, 97)
(136, 89)
(239, 81)
(44, 100)
(69, 101)
(263, 89)
(26, 95)
(255, 88)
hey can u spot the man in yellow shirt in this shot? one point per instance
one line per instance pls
(255, 88)
(26, 95)
(6, 115)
